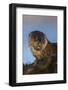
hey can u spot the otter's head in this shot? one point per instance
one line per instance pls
(37, 41)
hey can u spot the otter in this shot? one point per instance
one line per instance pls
(45, 53)
(40, 45)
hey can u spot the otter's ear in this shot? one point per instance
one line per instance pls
(30, 34)
(45, 44)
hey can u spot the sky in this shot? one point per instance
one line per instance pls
(45, 24)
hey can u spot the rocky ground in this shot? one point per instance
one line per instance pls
(45, 65)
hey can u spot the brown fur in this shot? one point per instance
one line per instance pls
(45, 53)
(46, 48)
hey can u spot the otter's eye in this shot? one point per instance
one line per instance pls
(36, 38)
(39, 40)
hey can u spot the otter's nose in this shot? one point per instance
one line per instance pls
(39, 39)
(39, 45)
